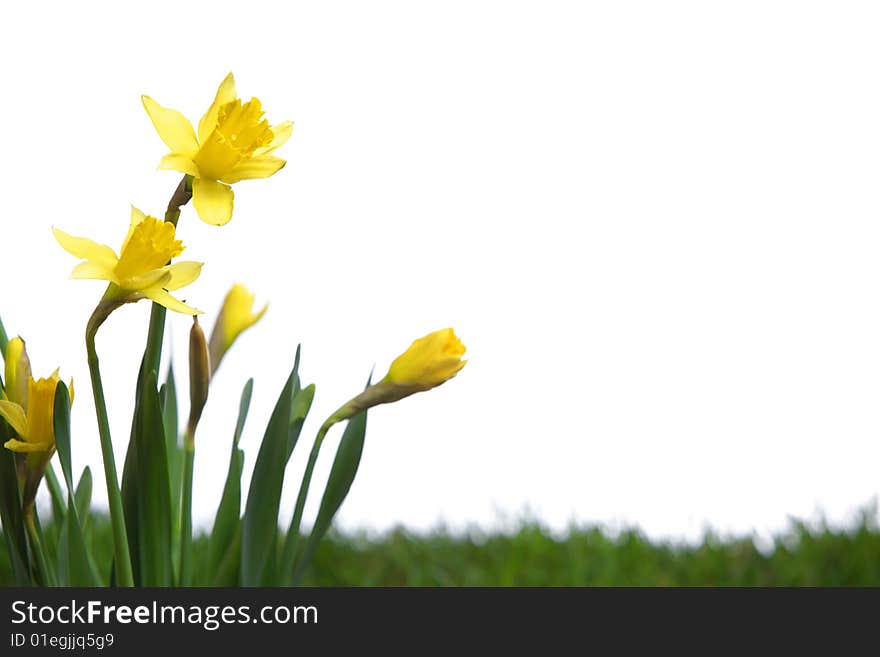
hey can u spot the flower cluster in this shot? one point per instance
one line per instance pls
(233, 141)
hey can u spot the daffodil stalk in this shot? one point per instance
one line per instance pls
(36, 544)
(429, 362)
(199, 380)
(140, 271)
(156, 331)
(121, 553)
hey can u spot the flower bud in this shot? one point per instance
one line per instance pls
(236, 316)
(199, 376)
(429, 362)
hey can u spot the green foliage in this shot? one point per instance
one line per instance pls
(342, 474)
(803, 555)
(259, 531)
(146, 489)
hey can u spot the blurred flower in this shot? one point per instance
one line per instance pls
(234, 143)
(429, 362)
(32, 420)
(141, 271)
(236, 316)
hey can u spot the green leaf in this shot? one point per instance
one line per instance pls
(59, 507)
(302, 403)
(3, 339)
(260, 522)
(146, 490)
(175, 455)
(342, 474)
(227, 520)
(82, 499)
(10, 513)
(78, 570)
(84, 496)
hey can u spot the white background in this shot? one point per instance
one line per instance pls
(654, 225)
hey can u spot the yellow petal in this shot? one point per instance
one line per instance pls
(92, 271)
(280, 134)
(178, 162)
(182, 273)
(213, 201)
(14, 415)
(173, 127)
(162, 297)
(21, 447)
(254, 167)
(225, 94)
(155, 278)
(84, 248)
(136, 218)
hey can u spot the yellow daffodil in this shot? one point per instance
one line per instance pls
(429, 362)
(236, 316)
(234, 142)
(141, 271)
(32, 420)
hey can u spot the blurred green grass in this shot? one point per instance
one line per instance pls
(805, 554)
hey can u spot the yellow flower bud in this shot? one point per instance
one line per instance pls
(199, 376)
(429, 362)
(18, 371)
(236, 316)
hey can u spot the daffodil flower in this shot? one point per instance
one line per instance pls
(236, 316)
(141, 271)
(31, 416)
(234, 143)
(430, 361)
(33, 423)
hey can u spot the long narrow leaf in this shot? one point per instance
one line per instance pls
(260, 523)
(79, 566)
(302, 402)
(175, 455)
(10, 513)
(227, 520)
(342, 474)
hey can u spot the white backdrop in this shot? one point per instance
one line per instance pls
(654, 225)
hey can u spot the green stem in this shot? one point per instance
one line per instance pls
(117, 519)
(186, 513)
(153, 351)
(37, 548)
(290, 544)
